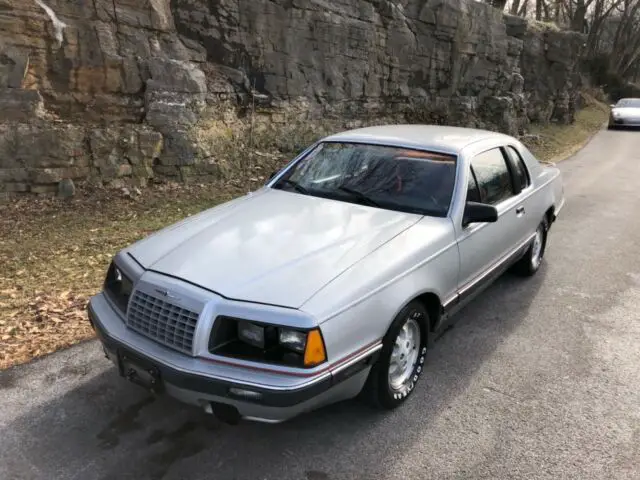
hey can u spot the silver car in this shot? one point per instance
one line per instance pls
(625, 113)
(331, 281)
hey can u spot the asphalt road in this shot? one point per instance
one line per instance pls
(540, 378)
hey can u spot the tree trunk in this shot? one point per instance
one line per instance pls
(515, 7)
(499, 4)
(547, 15)
(539, 9)
(626, 45)
(579, 17)
(523, 9)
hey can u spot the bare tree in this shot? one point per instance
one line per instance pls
(600, 16)
(518, 7)
(626, 44)
(557, 10)
(613, 45)
(580, 14)
(612, 28)
(539, 9)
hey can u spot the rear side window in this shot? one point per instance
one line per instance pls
(519, 168)
(493, 177)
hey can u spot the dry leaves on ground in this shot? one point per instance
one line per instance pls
(54, 255)
(45, 324)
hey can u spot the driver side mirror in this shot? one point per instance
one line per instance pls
(475, 212)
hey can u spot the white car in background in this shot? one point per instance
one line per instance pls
(625, 113)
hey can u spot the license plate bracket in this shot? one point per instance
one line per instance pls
(140, 372)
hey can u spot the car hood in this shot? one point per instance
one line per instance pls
(271, 247)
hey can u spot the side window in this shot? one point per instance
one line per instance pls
(493, 177)
(519, 168)
(473, 193)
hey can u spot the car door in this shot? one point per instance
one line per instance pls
(484, 248)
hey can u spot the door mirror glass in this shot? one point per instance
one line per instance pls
(475, 212)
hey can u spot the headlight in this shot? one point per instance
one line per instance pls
(292, 339)
(251, 333)
(234, 337)
(118, 287)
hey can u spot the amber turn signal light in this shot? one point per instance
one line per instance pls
(314, 352)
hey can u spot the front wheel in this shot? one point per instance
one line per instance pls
(396, 373)
(530, 263)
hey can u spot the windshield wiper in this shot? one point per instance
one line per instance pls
(296, 186)
(362, 197)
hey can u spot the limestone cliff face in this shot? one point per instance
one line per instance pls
(109, 89)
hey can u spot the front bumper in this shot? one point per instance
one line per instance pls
(624, 122)
(184, 378)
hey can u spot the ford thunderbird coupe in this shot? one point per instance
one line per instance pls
(332, 280)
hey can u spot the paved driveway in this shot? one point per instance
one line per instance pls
(540, 378)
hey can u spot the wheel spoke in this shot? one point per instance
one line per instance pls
(404, 355)
(402, 335)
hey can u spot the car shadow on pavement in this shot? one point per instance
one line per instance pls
(106, 428)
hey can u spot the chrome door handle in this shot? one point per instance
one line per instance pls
(520, 211)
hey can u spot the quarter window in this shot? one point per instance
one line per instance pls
(493, 177)
(519, 168)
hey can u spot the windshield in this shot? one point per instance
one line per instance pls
(392, 178)
(629, 103)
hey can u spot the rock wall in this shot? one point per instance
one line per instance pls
(111, 90)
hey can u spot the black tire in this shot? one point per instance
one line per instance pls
(527, 266)
(378, 390)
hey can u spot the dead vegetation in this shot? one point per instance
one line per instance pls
(553, 143)
(54, 254)
(254, 144)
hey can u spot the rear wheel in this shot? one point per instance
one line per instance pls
(530, 263)
(396, 373)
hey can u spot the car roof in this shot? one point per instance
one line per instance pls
(438, 138)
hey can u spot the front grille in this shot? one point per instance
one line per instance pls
(163, 322)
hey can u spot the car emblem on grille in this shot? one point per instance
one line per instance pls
(166, 293)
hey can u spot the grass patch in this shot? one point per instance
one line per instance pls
(54, 254)
(552, 143)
